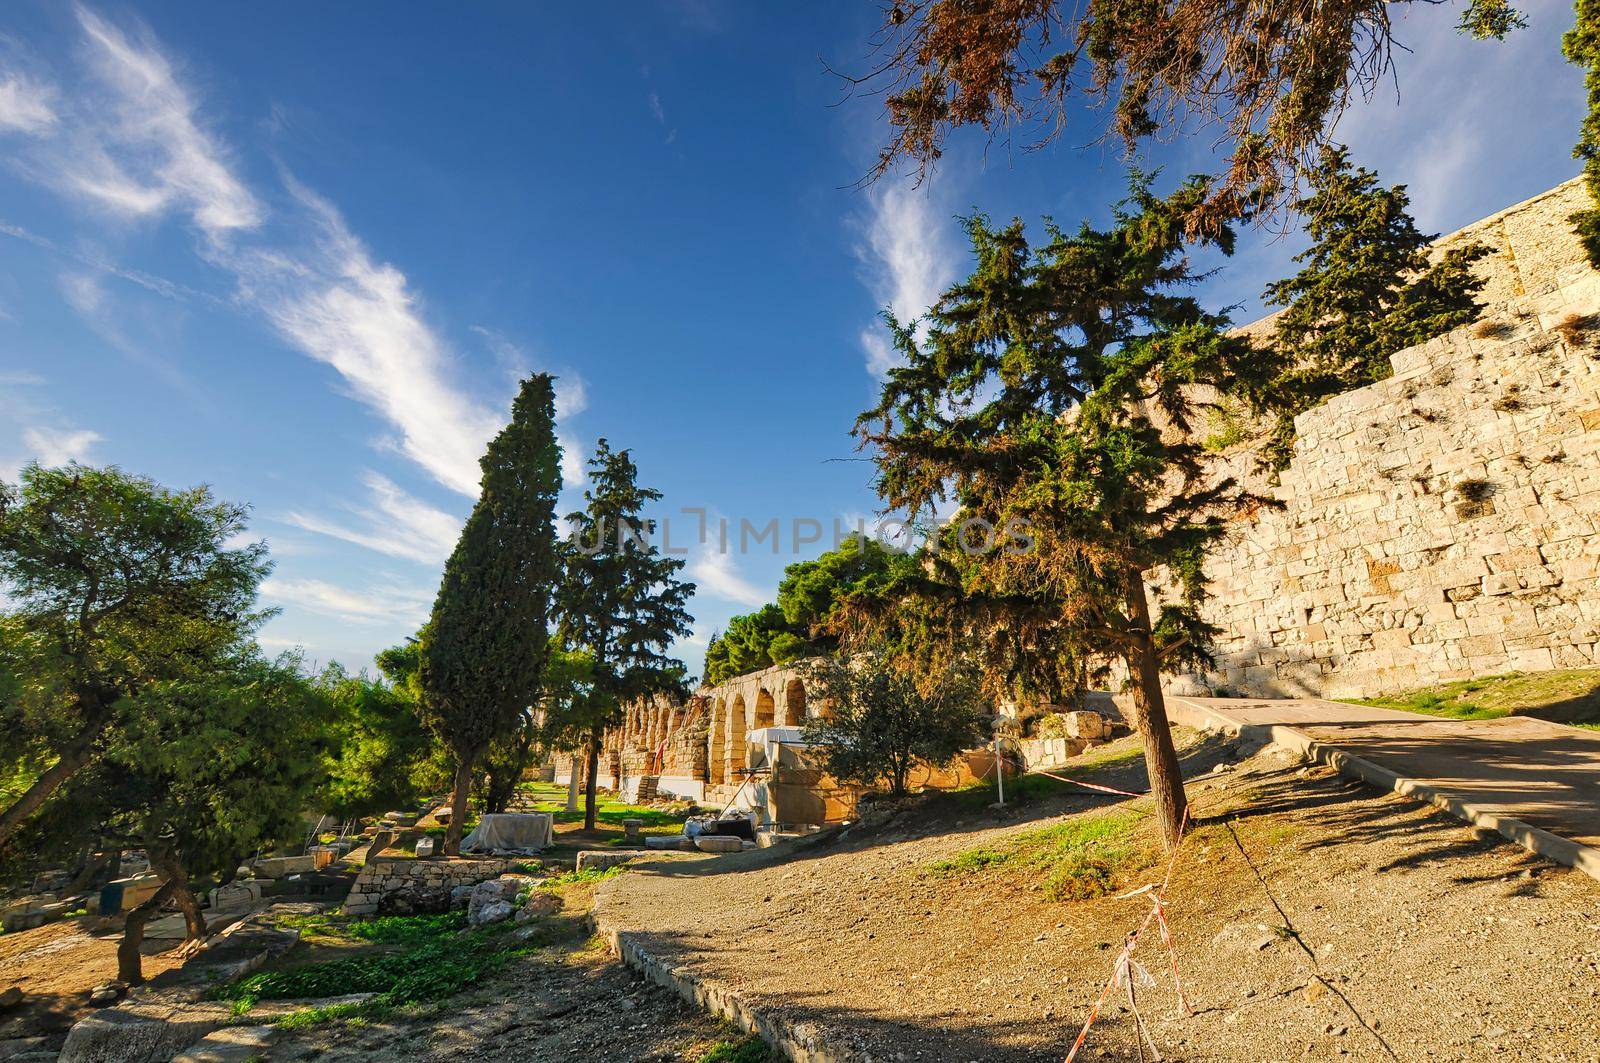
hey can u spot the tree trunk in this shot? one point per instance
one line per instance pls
(572, 783)
(74, 757)
(194, 920)
(458, 806)
(1150, 713)
(129, 966)
(93, 864)
(592, 780)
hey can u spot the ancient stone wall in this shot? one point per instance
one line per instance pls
(1445, 522)
(386, 876)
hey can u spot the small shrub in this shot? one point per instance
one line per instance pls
(1575, 328)
(750, 1049)
(1490, 329)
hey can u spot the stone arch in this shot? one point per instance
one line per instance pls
(794, 703)
(716, 763)
(733, 747)
(766, 716)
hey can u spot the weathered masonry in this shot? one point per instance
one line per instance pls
(1445, 522)
(697, 749)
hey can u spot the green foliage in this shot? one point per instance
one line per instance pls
(426, 958)
(747, 1049)
(1040, 399)
(115, 585)
(1366, 290)
(1581, 46)
(882, 722)
(213, 767)
(485, 646)
(809, 597)
(381, 755)
(620, 602)
(1076, 859)
(1491, 19)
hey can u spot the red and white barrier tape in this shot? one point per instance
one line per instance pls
(1125, 972)
(1090, 785)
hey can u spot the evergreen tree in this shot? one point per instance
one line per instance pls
(621, 603)
(115, 583)
(207, 771)
(797, 625)
(1052, 396)
(1365, 292)
(485, 649)
(1581, 46)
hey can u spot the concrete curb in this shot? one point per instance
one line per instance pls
(796, 1041)
(1535, 839)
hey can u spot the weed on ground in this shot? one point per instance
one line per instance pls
(1079, 858)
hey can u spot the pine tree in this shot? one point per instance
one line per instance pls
(620, 602)
(1052, 396)
(1581, 46)
(485, 648)
(1366, 291)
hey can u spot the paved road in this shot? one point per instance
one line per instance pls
(1543, 774)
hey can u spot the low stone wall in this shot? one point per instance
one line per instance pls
(386, 877)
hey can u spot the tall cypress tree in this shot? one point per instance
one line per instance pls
(485, 647)
(1366, 291)
(620, 602)
(1052, 397)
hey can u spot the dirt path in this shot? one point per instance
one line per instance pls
(570, 1001)
(1402, 934)
(55, 966)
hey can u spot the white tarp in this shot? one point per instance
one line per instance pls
(764, 741)
(510, 830)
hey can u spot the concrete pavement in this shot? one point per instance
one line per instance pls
(1535, 782)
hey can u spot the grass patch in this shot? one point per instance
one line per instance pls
(1569, 695)
(589, 876)
(428, 957)
(1076, 859)
(749, 1049)
(552, 798)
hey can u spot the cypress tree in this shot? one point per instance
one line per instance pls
(484, 651)
(1365, 292)
(620, 602)
(1581, 46)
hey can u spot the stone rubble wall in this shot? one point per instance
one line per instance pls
(384, 876)
(1443, 523)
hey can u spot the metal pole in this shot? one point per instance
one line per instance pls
(999, 770)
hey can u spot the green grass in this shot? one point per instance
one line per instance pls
(588, 876)
(1569, 695)
(749, 1049)
(552, 798)
(429, 957)
(1075, 859)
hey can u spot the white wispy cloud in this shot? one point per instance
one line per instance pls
(714, 573)
(135, 145)
(57, 446)
(26, 105)
(338, 305)
(910, 256)
(146, 151)
(394, 523)
(392, 605)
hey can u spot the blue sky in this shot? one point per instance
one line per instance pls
(302, 252)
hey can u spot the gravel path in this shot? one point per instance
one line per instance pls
(1402, 933)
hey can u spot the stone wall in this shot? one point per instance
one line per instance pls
(384, 877)
(1445, 522)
